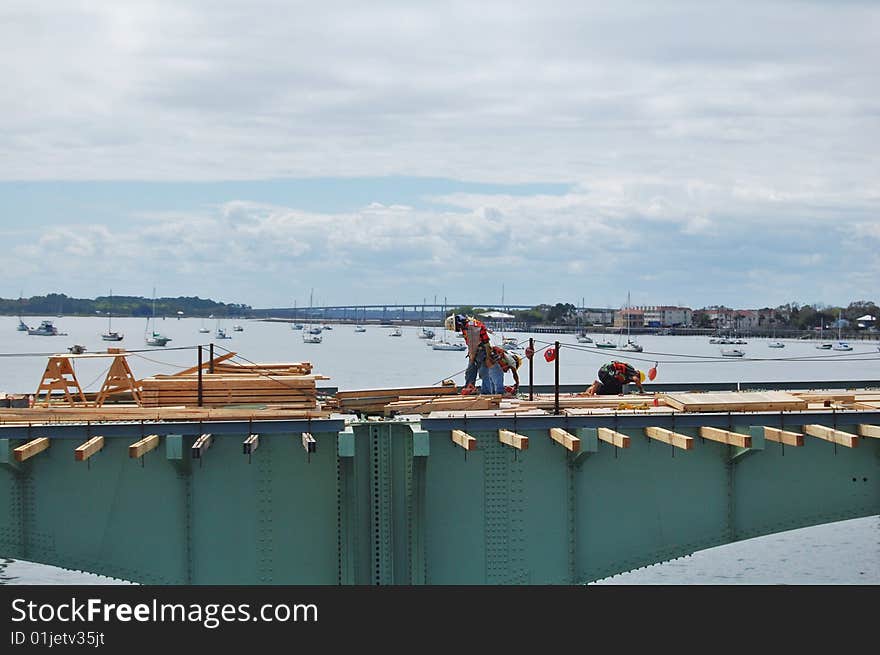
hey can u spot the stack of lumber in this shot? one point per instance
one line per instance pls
(43, 416)
(735, 401)
(566, 401)
(373, 401)
(426, 404)
(291, 391)
(295, 368)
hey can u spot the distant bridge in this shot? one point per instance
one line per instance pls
(390, 311)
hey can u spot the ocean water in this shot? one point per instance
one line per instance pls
(846, 552)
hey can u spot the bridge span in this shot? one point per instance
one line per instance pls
(553, 499)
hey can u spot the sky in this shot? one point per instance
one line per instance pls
(266, 152)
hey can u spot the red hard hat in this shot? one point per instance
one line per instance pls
(550, 354)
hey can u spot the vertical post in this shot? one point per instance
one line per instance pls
(531, 368)
(211, 362)
(556, 384)
(200, 376)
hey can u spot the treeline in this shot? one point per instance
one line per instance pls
(59, 303)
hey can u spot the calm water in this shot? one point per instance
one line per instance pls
(847, 552)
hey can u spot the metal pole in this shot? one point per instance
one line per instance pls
(200, 376)
(211, 363)
(556, 384)
(531, 368)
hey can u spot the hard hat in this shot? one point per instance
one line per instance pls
(518, 361)
(449, 323)
(641, 376)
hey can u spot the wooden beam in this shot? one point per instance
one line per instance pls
(88, 449)
(567, 439)
(31, 448)
(830, 434)
(308, 442)
(614, 438)
(783, 436)
(250, 444)
(145, 445)
(726, 436)
(464, 440)
(668, 436)
(510, 438)
(869, 430)
(201, 445)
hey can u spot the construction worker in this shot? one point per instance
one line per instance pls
(502, 361)
(479, 351)
(612, 377)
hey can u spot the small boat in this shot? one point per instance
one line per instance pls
(510, 343)
(22, 326)
(739, 342)
(327, 327)
(606, 344)
(732, 352)
(824, 346)
(237, 328)
(76, 349)
(156, 339)
(776, 344)
(444, 345)
(425, 333)
(631, 346)
(360, 328)
(310, 337)
(314, 330)
(221, 334)
(111, 334)
(46, 329)
(841, 345)
(396, 332)
(204, 330)
(583, 338)
(296, 326)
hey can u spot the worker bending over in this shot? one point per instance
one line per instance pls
(612, 377)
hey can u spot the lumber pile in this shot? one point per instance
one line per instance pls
(735, 401)
(218, 389)
(428, 404)
(373, 401)
(122, 413)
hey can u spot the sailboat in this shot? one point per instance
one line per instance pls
(361, 328)
(203, 329)
(312, 337)
(630, 345)
(22, 326)
(221, 332)
(582, 331)
(443, 344)
(110, 335)
(151, 336)
(425, 333)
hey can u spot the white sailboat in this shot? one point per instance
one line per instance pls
(22, 326)
(732, 352)
(151, 336)
(630, 345)
(311, 337)
(203, 329)
(840, 345)
(443, 344)
(110, 334)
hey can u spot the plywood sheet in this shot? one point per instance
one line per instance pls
(735, 401)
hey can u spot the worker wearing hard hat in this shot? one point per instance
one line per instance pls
(479, 351)
(502, 361)
(612, 377)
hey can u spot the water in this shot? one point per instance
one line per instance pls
(847, 552)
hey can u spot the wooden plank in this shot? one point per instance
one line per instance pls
(668, 436)
(511, 438)
(405, 391)
(145, 445)
(830, 434)
(614, 438)
(308, 442)
(795, 439)
(250, 444)
(88, 449)
(567, 439)
(725, 436)
(464, 440)
(201, 445)
(869, 430)
(31, 448)
(735, 401)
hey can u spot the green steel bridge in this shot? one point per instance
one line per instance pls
(548, 499)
